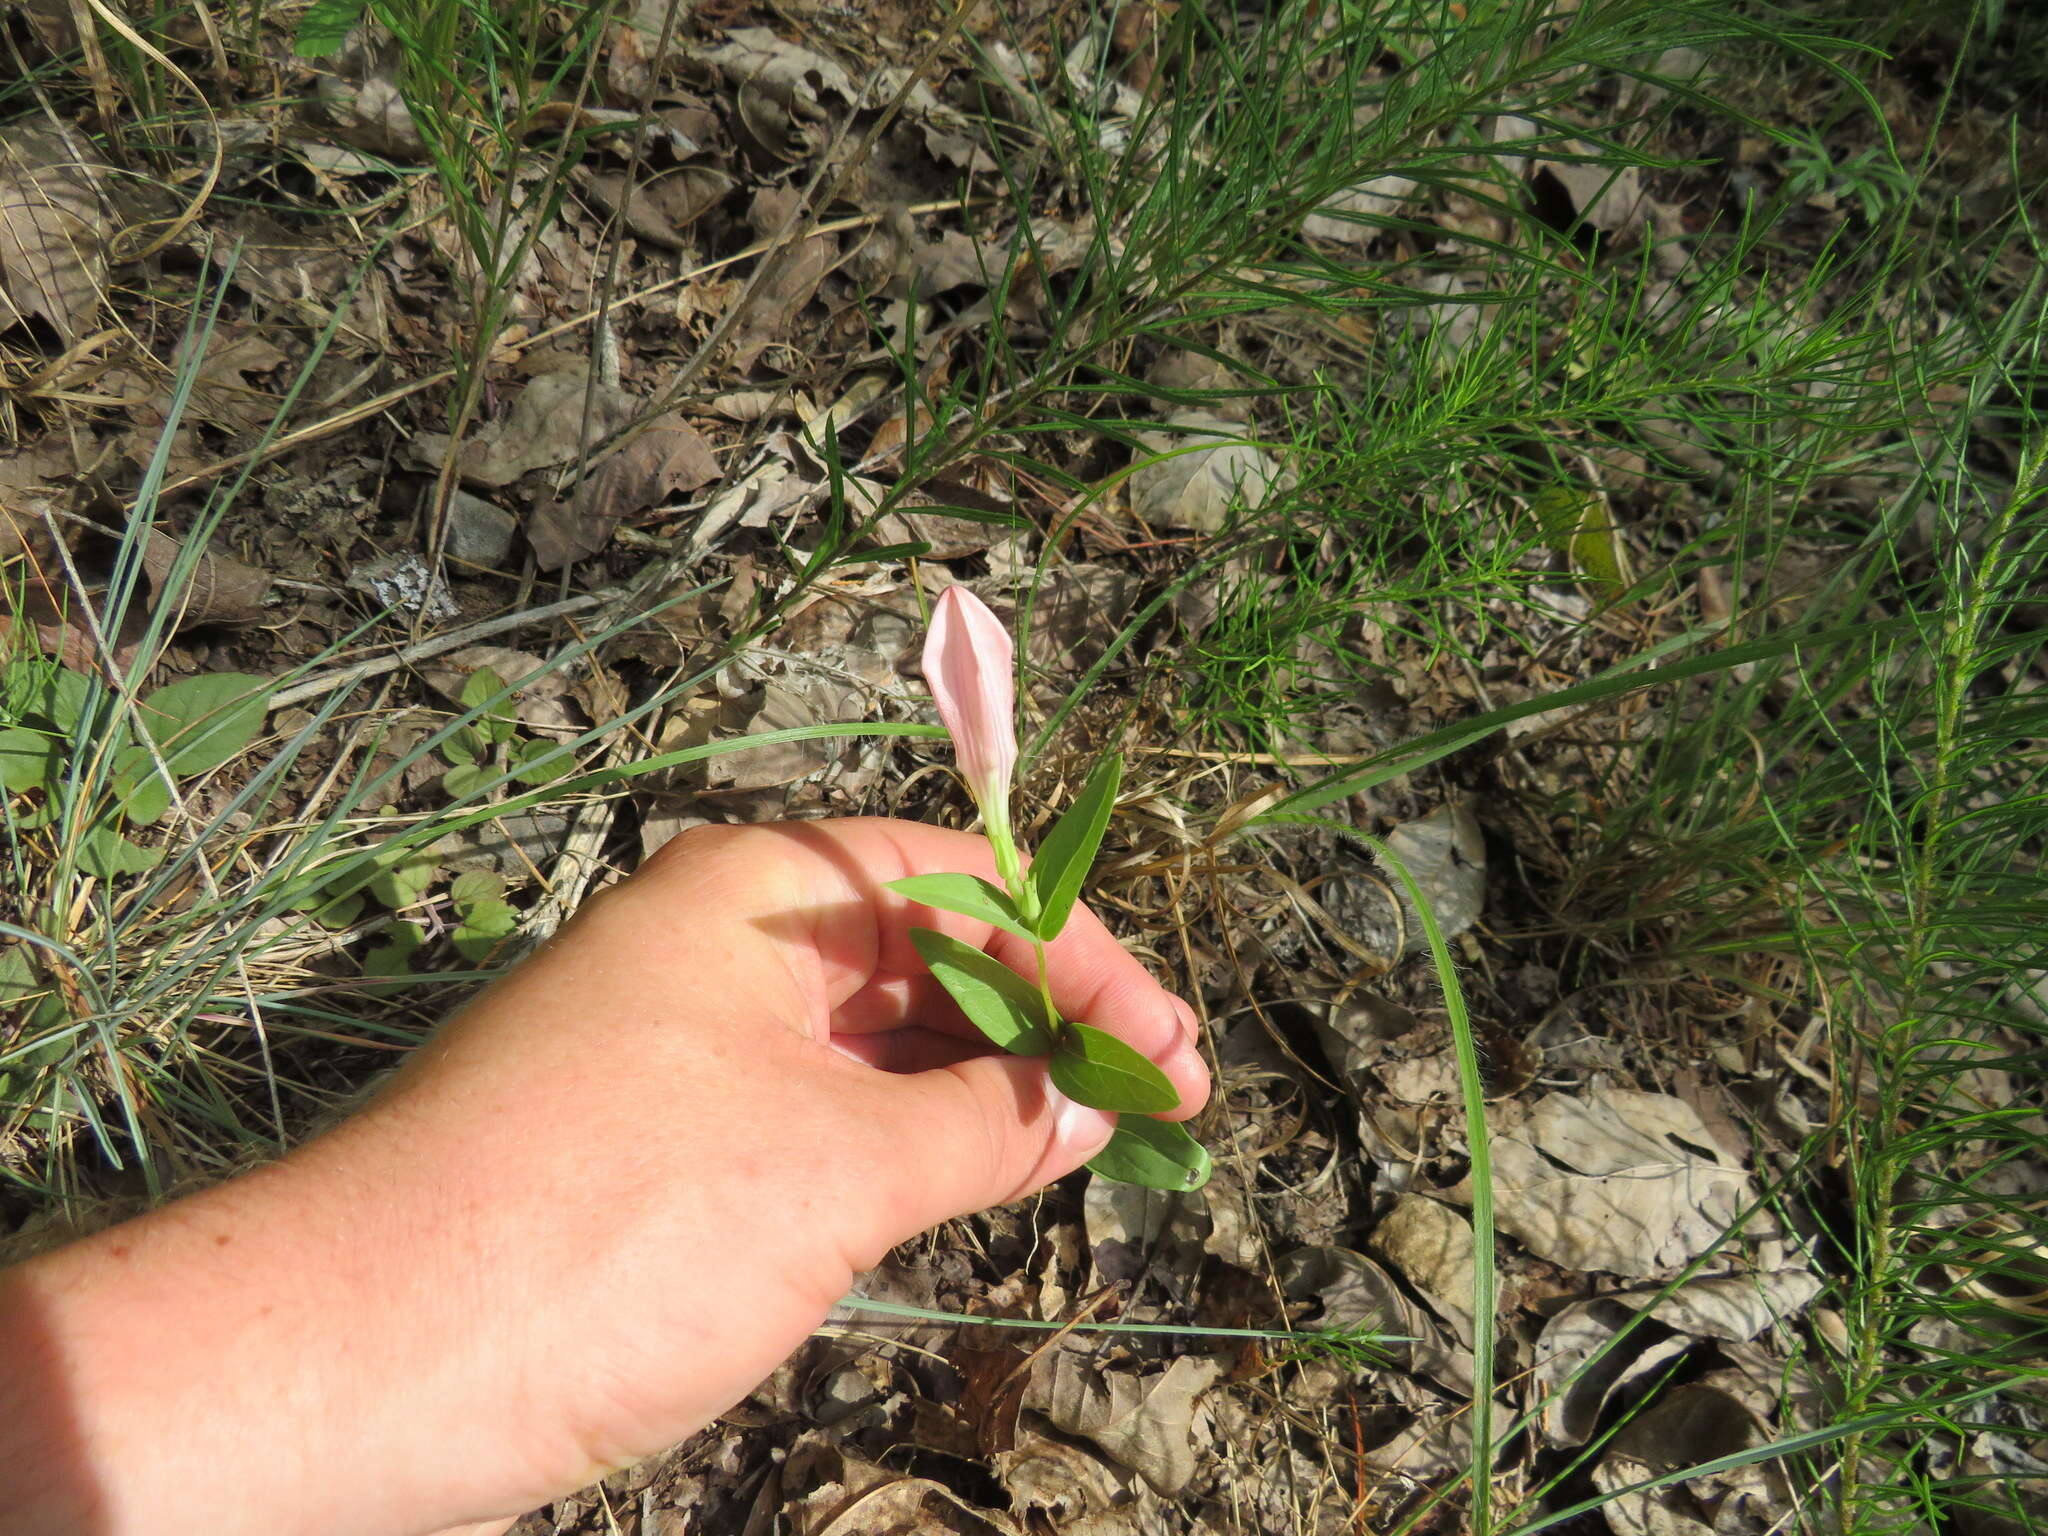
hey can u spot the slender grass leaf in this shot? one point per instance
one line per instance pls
(1154, 1153)
(1095, 1068)
(997, 1001)
(1063, 860)
(968, 895)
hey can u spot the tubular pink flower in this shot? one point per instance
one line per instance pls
(970, 662)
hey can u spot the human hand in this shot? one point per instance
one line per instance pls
(596, 1209)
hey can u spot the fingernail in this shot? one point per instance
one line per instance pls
(1080, 1130)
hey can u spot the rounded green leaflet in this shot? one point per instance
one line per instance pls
(997, 1001)
(1153, 1153)
(1097, 1069)
(105, 853)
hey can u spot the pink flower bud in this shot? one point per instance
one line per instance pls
(970, 662)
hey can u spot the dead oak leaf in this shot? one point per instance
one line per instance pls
(780, 89)
(53, 233)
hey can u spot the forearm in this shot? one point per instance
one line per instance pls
(282, 1353)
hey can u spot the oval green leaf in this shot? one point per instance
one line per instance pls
(1063, 860)
(968, 895)
(28, 759)
(105, 853)
(1097, 1069)
(201, 722)
(997, 1001)
(1153, 1153)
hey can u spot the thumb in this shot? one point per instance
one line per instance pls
(981, 1132)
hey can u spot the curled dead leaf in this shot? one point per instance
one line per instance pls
(206, 588)
(781, 89)
(827, 1491)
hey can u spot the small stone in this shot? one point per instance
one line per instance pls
(478, 532)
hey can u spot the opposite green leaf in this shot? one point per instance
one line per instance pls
(999, 1002)
(1063, 860)
(968, 895)
(539, 761)
(1099, 1070)
(1153, 1153)
(394, 958)
(201, 722)
(60, 696)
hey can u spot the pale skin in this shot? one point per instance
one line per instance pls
(594, 1211)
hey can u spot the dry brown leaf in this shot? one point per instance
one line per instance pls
(1606, 196)
(1573, 1395)
(222, 393)
(781, 89)
(360, 102)
(543, 428)
(1357, 215)
(280, 265)
(53, 232)
(791, 283)
(1210, 472)
(32, 478)
(826, 1491)
(1685, 1427)
(1431, 1246)
(1630, 1183)
(668, 456)
(642, 214)
(1144, 1423)
(1058, 1485)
